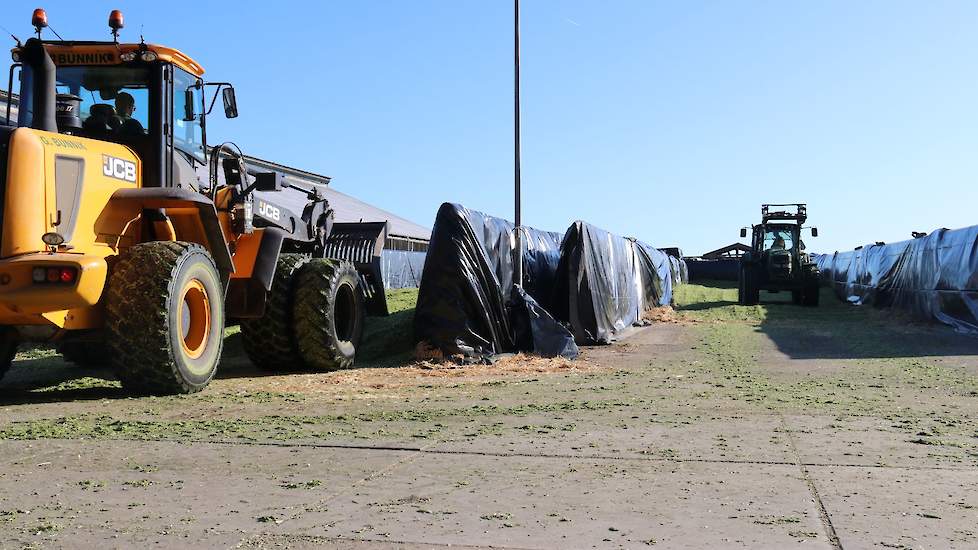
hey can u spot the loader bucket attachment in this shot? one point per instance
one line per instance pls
(361, 244)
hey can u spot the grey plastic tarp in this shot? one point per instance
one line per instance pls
(595, 283)
(466, 304)
(401, 268)
(934, 277)
(606, 282)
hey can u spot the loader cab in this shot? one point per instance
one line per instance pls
(150, 98)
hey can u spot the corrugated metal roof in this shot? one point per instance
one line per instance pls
(351, 209)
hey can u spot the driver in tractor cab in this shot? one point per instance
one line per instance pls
(778, 243)
(125, 106)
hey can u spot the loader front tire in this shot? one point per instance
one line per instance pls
(165, 318)
(329, 314)
(269, 341)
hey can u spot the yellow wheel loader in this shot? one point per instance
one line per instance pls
(125, 238)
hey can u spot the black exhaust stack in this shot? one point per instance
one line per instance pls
(44, 97)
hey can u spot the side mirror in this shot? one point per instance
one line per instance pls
(230, 102)
(814, 232)
(743, 232)
(188, 105)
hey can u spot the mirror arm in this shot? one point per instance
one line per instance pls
(216, 92)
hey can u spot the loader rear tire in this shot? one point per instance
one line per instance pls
(165, 318)
(269, 341)
(329, 314)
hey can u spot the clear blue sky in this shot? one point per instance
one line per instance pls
(671, 121)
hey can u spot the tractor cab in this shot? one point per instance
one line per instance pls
(147, 97)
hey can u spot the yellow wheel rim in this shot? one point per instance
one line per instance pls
(194, 319)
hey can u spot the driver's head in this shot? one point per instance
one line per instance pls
(125, 105)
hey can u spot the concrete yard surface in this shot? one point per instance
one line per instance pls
(719, 426)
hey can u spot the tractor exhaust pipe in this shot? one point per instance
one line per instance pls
(43, 73)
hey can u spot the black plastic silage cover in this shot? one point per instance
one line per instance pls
(726, 269)
(466, 304)
(605, 283)
(934, 277)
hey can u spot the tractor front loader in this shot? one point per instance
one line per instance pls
(126, 239)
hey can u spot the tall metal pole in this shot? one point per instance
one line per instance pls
(519, 237)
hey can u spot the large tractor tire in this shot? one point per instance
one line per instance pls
(165, 318)
(797, 297)
(742, 286)
(748, 293)
(329, 314)
(269, 341)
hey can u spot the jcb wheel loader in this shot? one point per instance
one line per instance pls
(125, 238)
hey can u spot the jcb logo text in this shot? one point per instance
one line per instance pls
(124, 170)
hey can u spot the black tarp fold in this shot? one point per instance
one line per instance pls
(466, 304)
(606, 282)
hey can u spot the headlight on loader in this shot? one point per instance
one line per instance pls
(53, 239)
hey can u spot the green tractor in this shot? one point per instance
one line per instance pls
(777, 260)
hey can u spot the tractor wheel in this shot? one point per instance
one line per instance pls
(743, 286)
(797, 296)
(165, 318)
(754, 294)
(329, 314)
(8, 349)
(750, 293)
(811, 296)
(83, 354)
(269, 341)
(741, 291)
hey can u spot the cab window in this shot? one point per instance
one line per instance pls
(778, 239)
(188, 136)
(113, 99)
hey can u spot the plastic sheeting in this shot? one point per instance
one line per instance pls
(666, 270)
(715, 270)
(678, 271)
(401, 268)
(466, 304)
(934, 277)
(606, 282)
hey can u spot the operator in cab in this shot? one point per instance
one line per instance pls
(125, 106)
